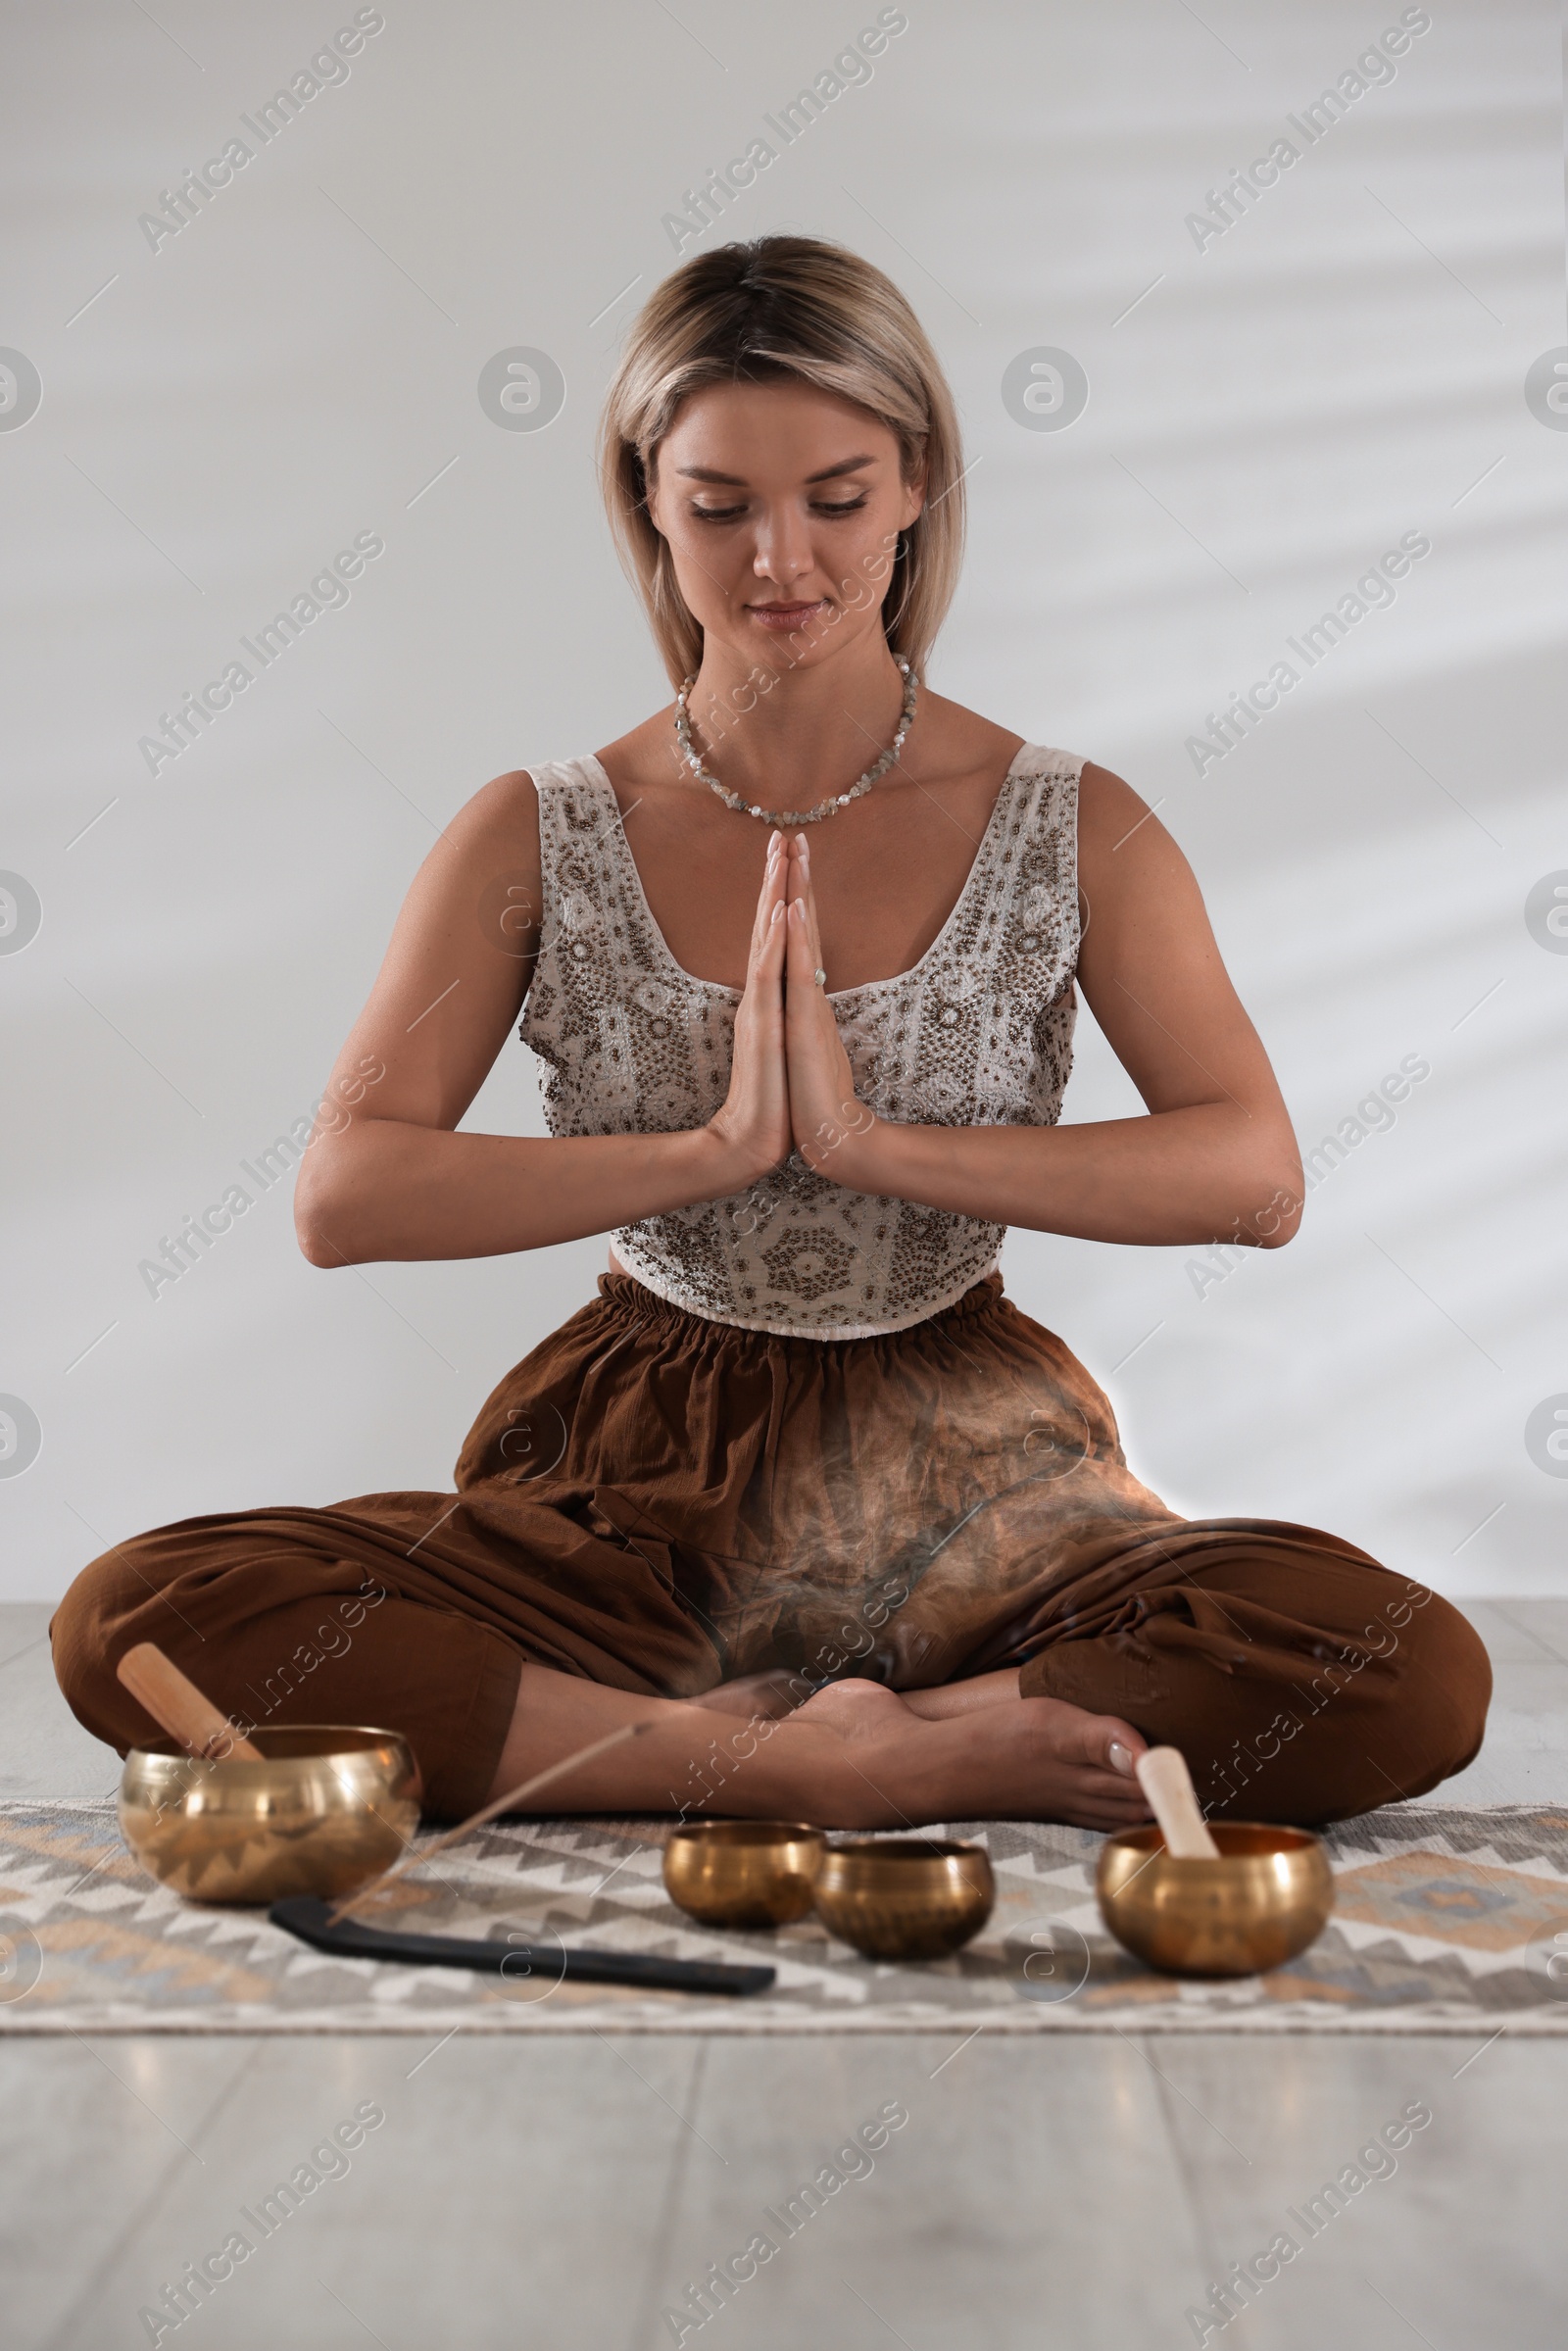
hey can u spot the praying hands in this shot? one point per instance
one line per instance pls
(791, 1083)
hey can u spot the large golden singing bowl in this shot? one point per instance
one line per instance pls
(744, 1873)
(328, 1808)
(905, 1897)
(1267, 1897)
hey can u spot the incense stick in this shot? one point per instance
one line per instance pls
(488, 1812)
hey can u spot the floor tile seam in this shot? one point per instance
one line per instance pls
(146, 2212)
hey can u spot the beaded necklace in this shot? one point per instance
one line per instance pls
(830, 806)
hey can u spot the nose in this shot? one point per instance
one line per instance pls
(783, 546)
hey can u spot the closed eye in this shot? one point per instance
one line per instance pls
(731, 513)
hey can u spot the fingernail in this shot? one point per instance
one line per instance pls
(777, 911)
(1121, 1759)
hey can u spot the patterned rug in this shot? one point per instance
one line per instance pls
(1448, 1921)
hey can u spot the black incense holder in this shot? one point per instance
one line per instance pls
(311, 1919)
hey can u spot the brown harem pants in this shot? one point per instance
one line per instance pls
(664, 1504)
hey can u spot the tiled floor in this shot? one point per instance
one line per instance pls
(557, 2194)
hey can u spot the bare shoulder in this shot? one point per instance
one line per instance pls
(495, 831)
(489, 846)
(1107, 802)
(1122, 842)
(507, 807)
(957, 741)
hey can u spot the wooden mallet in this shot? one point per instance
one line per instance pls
(1165, 1780)
(175, 1703)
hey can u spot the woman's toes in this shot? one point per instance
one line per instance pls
(1123, 1746)
(1103, 1742)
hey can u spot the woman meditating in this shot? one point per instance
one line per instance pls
(802, 954)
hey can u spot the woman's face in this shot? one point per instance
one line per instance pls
(782, 507)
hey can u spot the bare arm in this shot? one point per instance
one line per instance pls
(1216, 1158)
(394, 1180)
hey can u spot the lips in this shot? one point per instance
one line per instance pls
(785, 616)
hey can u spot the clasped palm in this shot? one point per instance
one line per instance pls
(790, 1081)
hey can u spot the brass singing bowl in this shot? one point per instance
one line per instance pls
(744, 1873)
(326, 1809)
(905, 1897)
(1267, 1897)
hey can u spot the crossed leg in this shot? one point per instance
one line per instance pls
(856, 1756)
(1303, 1681)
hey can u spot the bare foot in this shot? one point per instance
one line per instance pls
(857, 1709)
(1025, 1759)
(855, 1756)
(766, 1697)
(1042, 1759)
(946, 1698)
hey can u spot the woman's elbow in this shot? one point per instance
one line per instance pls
(321, 1226)
(317, 1249)
(1281, 1221)
(317, 1245)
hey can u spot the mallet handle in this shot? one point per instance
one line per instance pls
(1165, 1780)
(175, 1702)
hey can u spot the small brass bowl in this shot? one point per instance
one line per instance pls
(743, 1872)
(1267, 1897)
(905, 1897)
(326, 1809)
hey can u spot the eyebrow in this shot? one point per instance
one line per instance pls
(847, 465)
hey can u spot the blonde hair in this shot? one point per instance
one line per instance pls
(782, 306)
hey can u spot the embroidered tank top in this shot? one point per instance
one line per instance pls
(978, 1033)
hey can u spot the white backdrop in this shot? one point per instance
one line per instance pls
(1274, 399)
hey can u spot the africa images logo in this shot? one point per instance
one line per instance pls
(1373, 69)
(179, 206)
(719, 190)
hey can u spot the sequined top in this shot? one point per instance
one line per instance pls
(978, 1033)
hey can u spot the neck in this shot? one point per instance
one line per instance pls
(815, 730)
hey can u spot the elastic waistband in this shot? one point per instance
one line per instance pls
(625, 1295)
